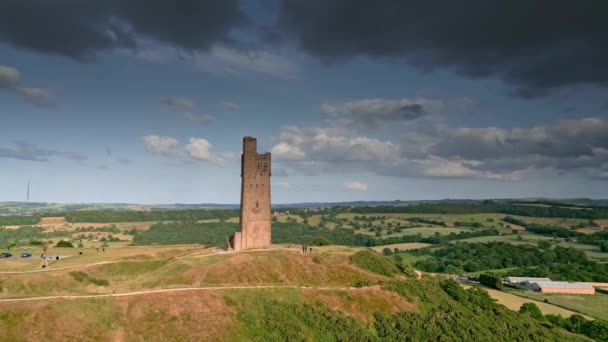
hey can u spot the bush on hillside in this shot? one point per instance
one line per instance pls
(373, 262)
(66, 244)
(320, 241)
(532, 310)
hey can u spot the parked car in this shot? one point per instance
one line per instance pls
(5, 255)
(26, 254)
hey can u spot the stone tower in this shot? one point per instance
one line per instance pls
(255, 199)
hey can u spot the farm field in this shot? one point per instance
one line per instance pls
(595, 305)
(402, 246)
(514, 302)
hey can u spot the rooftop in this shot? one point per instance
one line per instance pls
(524, 279)
(562, 285)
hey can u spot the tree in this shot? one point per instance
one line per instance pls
(543, 244)
(387, 251)
(532, 310)
(604, 246)
(490, 280)
(320, 241)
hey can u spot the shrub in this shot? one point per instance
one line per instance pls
(532, 310)
(490, 280)
(79, 276)
(63, 243)
(387, 251)
(371, 261)
(320, 241)
(98, 282)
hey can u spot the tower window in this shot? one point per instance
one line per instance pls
(257, 204)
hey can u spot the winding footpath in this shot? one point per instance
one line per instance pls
(180, 289)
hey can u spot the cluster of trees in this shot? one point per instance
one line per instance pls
(450, 313)
(427, 221)
(19, 220)
(563, 263)
(598, 238)
(175, 233)
(109, 229)
(468, 224)
(25, 234)
(595, 329)
(488, 207)
(282, 232)
(108, 216)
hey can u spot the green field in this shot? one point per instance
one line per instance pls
(591, 305)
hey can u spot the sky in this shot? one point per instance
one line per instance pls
(133, 101)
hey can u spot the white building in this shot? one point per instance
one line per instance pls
(522, 280)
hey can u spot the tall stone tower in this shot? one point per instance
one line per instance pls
(255, 199)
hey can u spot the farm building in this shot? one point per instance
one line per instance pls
(562, 287)
(522, 280)
(517, 227)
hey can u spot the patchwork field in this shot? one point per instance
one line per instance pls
(515, 302)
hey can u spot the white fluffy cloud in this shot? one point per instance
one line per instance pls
(38, 97)
(10, 79)
(196, 149)
(441, 151)
(315, 149)
(355, 185)
(160, 144)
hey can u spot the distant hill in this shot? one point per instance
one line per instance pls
(29, 208)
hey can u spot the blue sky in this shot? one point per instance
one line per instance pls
(162, 120)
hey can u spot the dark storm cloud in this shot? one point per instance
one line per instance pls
(78, 29)
(535, 46)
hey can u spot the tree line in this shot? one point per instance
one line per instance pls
(560, 263)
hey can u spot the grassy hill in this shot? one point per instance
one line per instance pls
(334, 294)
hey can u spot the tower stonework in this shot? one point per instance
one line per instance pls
(255, 199)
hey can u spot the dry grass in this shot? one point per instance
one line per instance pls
(52, 220)
(360, 303)
(283, 267)
(514, 302)
(195, 316)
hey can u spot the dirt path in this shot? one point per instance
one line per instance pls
(193, 255)
(50, 269)
(181, 289)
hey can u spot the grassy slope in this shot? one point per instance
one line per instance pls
(241, 314)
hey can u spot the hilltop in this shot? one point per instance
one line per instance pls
(187, 293)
